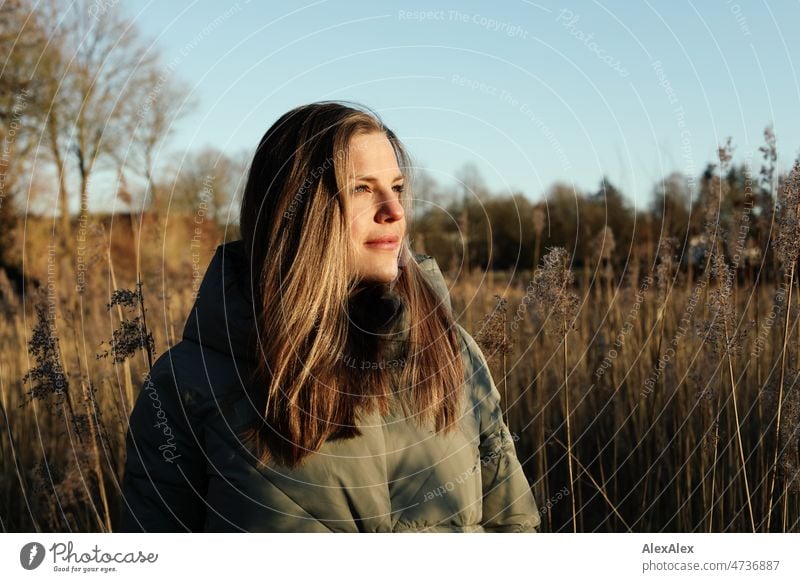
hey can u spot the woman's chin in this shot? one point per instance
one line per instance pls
(380, 274)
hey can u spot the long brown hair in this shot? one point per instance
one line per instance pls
(294, 225)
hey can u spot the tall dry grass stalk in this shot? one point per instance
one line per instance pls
(787, 247)
(539, 222)
(554, 295)
(64, 408)
(492, 337)
(670, 459)
(93, 456)
(723, 334)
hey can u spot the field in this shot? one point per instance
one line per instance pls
(657, 397)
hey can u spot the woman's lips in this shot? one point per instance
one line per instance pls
(383, 244)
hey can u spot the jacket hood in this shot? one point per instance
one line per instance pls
(223, 316)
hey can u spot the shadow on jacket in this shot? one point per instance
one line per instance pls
(187, 471)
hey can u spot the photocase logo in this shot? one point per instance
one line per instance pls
(31, 555)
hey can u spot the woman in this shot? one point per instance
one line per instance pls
(322, 383)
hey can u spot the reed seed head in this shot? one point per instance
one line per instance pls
(787, 240)
(553, 292)
(770, 153)
(47, 377)
(720, 330)
(665, 270)
(491, 336)
(132, 335)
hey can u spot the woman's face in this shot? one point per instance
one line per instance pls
(377, 219)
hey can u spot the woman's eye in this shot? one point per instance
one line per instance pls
(364, 188)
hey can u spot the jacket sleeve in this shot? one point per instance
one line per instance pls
(165, 479)
(508, 503)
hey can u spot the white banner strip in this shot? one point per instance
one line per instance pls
(401, 557)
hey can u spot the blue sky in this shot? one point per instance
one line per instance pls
(531, 92)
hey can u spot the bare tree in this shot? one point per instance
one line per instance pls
(472, 188)
(20, 42)
(205, 182)
(95, 64)
(156, 106)
(240, 161)
(51, 74)
(108, 63)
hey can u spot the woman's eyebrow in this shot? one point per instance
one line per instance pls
(369, 178)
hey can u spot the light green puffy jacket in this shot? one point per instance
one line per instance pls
(186, 469)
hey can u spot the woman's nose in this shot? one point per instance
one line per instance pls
(390, 209)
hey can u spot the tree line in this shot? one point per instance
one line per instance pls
(84, 92)
(470, 227)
